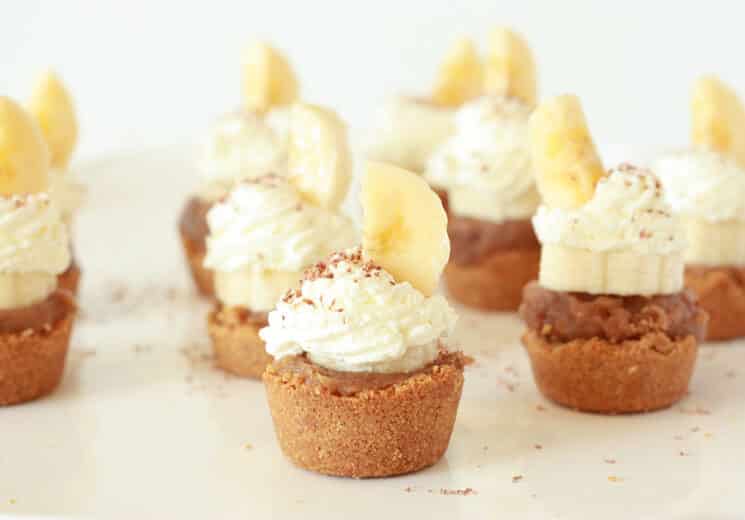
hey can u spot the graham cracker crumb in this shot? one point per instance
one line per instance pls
(540, 408)
(460, 492)
(609, 461)
(468, 360)
(516, 478)
(538, 446)
(698, 410)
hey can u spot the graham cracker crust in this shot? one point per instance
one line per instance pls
(236, 344)
(70, 279)
(193, 232)
(721, 292)
(32, 361)
(595, 375)
(496, 282)
(376, 432)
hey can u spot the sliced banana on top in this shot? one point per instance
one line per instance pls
(461, 75)
(718, 118)
(509, 67)
(319, 160)
(404, 226)
(24, 156)
(54, 111)
(566, 163)
(268, 79)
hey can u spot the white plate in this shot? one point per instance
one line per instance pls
(144, 427)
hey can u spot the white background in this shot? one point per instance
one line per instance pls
(150, 72)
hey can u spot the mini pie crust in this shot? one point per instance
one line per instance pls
(374, 433)
(70, 279)
(32, 362)
(496, 282)
(721, 292)
(595, 375)
(236, 344)
(195, 250)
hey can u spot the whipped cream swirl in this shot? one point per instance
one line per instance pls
(628, 212)
(407, 131)
(243, 146)
(486, 166)
(265, 223)
(34, 238)
(704, 185)
(350, 315)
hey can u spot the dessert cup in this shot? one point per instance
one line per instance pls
(244, 145)
(266, 231)
(490, 263)
(611, 328)
(721, 293)
(236, 344)
(362, 385)
(706, 187)
(363, 425)
(484, 171)
(36, 317)
(34, 349)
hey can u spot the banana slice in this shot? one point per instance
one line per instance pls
(510, 68)
(319, 161)
(268, 80)
(404, 226)
(566, 163)
(24, 156)
(54, 111)
(461, 76)
(718, 118)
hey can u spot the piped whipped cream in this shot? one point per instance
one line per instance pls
(628, 212)
(350, 315)
(486, 165)
(264, 231)
(67, 192)
(243, 146)
(33, 237)
(704, 185)
(407, 131)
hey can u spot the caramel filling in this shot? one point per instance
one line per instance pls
(38, 317)
(564, 316)
(303, 370)
(473, 240)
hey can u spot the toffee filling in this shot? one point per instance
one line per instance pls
(565, 316)
(38, 317)
(473, 240)
(352, 383)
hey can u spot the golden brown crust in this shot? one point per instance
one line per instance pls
(594, 375)
(192, 228)
(32, 361)
(70, 279)
(721, 292)
(236, 343)
(375, 433)
(496, 283)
